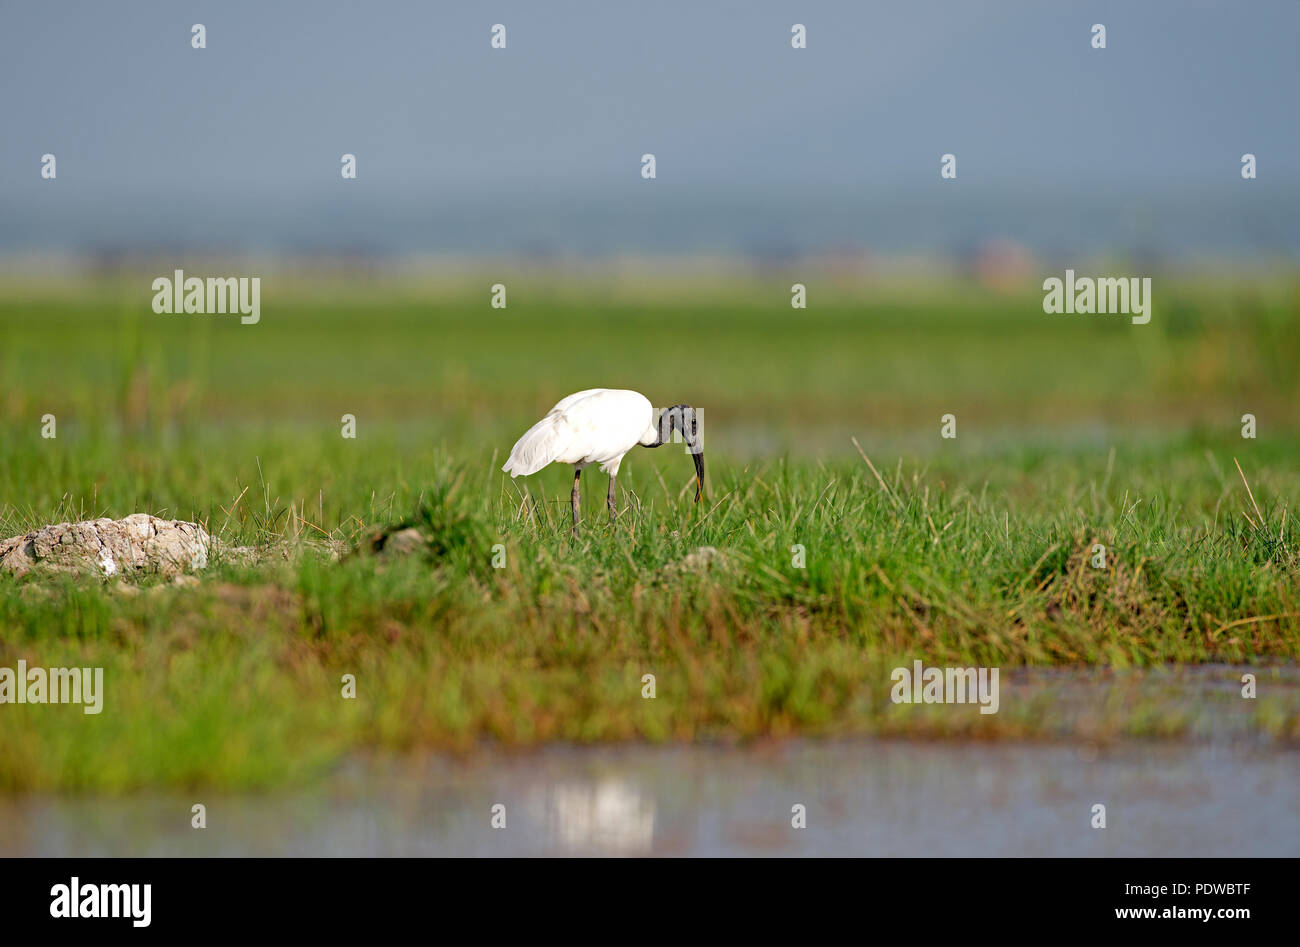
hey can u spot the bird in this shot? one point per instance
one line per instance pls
(599, 426)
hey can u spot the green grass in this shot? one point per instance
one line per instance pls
(973, 551)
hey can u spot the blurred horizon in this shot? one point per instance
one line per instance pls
(522, 166)
(763, 152)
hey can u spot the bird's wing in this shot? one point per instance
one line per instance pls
(605, 425)
(547, 440)
(542, 443)
(564, 403)
(596, 424)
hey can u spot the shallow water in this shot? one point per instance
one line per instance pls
(1222, 789)
(862, 798)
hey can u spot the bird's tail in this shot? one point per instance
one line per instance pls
(540, 445)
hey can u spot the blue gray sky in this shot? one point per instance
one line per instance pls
(760, 147)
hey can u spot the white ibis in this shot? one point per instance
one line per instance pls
(599, 426)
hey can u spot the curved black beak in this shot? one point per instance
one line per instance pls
(699, 473)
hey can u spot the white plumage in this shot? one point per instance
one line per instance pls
(599, 426)
(596, 426)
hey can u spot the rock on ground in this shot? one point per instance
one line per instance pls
(404, 542)
(701, 559)
(138, 544)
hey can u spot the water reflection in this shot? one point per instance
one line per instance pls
(610, 816)
(890, 798)
(1226, 789)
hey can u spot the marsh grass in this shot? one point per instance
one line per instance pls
(976, 552)
(237, 681)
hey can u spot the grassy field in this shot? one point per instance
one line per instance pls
(1072, 431)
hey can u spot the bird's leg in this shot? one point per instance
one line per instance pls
(612, 501)
(573, 498)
